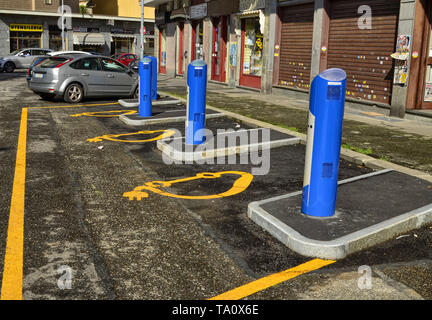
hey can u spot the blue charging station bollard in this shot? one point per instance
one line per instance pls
(326, 111)
(196, 101)
(145, 82)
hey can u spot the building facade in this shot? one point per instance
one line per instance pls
(385, 46)
(37, 23)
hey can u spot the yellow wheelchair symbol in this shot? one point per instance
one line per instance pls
(240, 185)
(112, 137)
(104, 114)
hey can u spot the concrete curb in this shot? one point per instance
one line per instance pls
(185, 155)
(346, 154)
(132, 103)
(345, 245)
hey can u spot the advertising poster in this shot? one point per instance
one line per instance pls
(428, 92)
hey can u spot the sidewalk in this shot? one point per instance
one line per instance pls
(405, 142)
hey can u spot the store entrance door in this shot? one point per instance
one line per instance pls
(251, 53)
(219, 49)
(162, 51)
(426, 64)
(180, 50)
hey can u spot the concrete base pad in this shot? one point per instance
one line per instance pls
(370, 209)
(133, 103)
(163, 116)
(178, 150)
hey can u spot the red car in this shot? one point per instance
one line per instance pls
(124, 58)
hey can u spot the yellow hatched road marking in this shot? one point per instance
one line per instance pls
(272, 280)
(11, 288)
(76, 106)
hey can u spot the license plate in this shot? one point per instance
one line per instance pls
(38, 75)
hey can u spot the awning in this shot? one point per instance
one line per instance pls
(180, 16)
(84, 38)
(122, 35)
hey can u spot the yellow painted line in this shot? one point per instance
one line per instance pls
(11, 288)
(272, 280)
(76, 106)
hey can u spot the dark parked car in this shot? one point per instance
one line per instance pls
(35, 62)
(74, 77)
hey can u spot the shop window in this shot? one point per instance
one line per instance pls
(253, 46)
(122, 45)
(21, 40)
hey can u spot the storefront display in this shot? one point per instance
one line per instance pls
(198, 40)
(251, 52)
(253, 46)
(25, 36)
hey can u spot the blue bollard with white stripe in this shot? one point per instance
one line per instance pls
(326, 111)
(145, 84)
(196, 102)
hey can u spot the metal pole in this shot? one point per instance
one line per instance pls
(142, 29)
(63, 35)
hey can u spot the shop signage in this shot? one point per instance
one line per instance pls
(26, 27)
(249, 5)
(198, 11)
(79, 29)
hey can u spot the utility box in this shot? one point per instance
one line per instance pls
(324, 136)
(196, 102)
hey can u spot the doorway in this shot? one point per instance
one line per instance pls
(197, 40)
(425, 96)
(162, 51)
(251, 53)
(219, 49)
(180, 48)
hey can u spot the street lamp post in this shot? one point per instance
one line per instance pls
(62, 25)
(142, 30)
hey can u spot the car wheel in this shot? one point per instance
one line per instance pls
(74, 93)
(9, 67)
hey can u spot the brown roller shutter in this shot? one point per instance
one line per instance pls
(296, 45)
(364, 54)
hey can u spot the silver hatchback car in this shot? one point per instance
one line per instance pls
(73, 77)
(21, 59)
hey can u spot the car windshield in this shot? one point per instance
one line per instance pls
(116, 56)
(53, 62)
(38, 60)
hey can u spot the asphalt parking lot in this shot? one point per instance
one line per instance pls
(161, 247)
